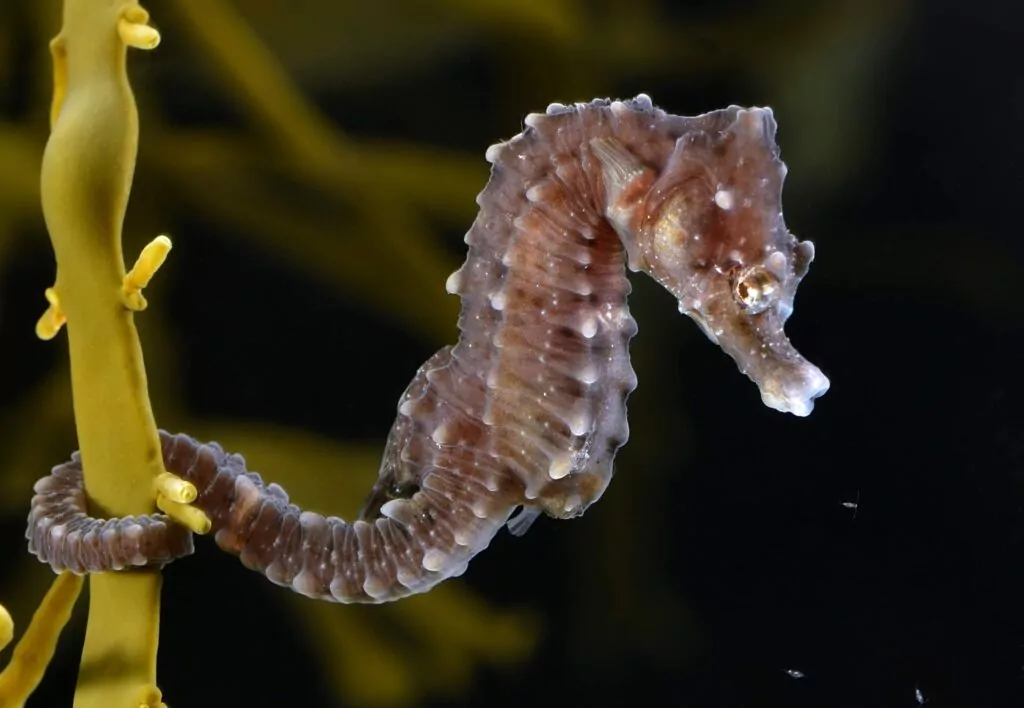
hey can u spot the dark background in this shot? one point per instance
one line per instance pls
(313, 230)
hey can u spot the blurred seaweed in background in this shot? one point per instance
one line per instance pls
(317, 167)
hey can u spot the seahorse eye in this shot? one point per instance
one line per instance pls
(756, 289)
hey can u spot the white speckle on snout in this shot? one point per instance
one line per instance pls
(724, 199)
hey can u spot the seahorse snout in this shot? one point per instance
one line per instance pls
(793, 388)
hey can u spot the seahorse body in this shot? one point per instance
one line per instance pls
(528, 409)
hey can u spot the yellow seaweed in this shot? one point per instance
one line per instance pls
(86, 176)
(35, 649)
(6, 628)
(297, 124)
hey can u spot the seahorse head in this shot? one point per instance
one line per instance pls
(709, 228)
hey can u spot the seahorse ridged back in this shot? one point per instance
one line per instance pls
(545, 324)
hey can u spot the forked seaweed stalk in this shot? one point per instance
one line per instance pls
(35, 649)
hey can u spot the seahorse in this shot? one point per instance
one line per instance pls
(527, 410)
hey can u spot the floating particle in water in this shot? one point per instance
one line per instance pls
(855, 504)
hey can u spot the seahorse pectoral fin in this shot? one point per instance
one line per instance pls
(519, 524)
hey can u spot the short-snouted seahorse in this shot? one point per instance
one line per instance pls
(528, 409)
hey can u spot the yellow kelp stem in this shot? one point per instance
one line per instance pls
(35, 649)
(6, 627)
(86, 178)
